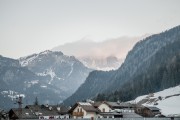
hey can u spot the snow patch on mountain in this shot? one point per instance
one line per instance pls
(104, 64)
(43, 86)
(12, 94)
(167, 100)
(31, 83)
(71, 70)
(51, 73)
(26, 60)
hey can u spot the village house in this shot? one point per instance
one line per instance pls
(151, 111)
(112, 106)
(83, 110)
(115, 110)
(102, 106)
(39, 112)
(148, 111)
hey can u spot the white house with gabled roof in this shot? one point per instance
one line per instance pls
(83, 110)
(102, 106)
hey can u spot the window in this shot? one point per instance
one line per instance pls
(80, 109)
(103, 110)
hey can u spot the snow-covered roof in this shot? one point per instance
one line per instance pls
(153, 108)
(85, 103)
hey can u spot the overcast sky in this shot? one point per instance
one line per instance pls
(29, 26)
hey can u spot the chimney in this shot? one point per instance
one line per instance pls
(58, 108)
(50, 108)
(118, 102)
(47, 105)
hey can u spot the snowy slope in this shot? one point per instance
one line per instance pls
(167, 100)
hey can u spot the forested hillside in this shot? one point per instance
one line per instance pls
(143, 71)
(164, 72)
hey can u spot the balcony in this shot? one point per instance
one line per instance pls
(78, 114)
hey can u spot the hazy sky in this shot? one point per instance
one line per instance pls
(28, 26)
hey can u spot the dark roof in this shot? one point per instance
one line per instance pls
(89, 108)
(46, 109)
(110, 114)
(124, 114)
(118, 105)
(63, 109)
(153, 108)
(97, 104)
(110, 104)
(34, 111)
(33, 107)
(114, 104)
(23, 113)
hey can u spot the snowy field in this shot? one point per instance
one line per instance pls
(167, 100)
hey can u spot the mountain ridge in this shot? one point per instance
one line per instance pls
(137, 61)
(95, 54)
(50, 76)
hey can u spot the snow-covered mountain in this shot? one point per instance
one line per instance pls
(65, 72)
(105, 64)
(152, 65)
(105, 55)
(51, 76)
(167, 100)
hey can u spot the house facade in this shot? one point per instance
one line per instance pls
(102, 106)
(151, 111)
(83, 110)
(115, 110)
(148, 111)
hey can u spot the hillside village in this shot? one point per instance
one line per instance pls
(84, 110)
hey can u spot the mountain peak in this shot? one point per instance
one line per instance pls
(51, 52)
(24, 61)
(45, 52)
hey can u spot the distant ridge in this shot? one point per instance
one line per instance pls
(96, 55)
(140, 69)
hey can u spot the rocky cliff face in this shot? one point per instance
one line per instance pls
(51, 76)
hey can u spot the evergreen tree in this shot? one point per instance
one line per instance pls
(36, 101)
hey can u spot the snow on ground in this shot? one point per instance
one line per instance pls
(170, 106)
(167, 100)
